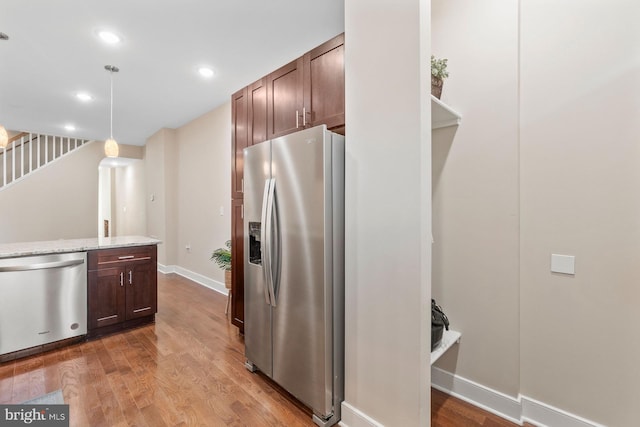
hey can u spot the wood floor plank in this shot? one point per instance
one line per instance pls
(187, 369)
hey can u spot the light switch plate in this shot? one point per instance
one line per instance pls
(565, 264)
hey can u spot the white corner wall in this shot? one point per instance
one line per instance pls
(388, 213)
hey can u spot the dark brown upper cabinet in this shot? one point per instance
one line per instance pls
(285, 99)
(324, 85)
(306, 92)
(239, 141)
(257, 111)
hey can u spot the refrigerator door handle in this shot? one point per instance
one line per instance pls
(264, 244)
(275, 248)
(270, 238)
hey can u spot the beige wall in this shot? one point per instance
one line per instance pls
(580, 157)
(188, 172)
(388, 213)
(60, 201)
(475, 189)
(160, 170)
(544, 162)
(203, 188)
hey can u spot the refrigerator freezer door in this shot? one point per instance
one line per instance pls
(302, 316)
(257, 311)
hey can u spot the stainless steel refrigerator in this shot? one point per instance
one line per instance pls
(294, 266)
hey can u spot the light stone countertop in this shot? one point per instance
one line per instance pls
(12, 250)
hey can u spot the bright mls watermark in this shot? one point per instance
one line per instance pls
(34, 415)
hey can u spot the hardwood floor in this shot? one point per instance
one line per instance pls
(187, 369)
(447, 411)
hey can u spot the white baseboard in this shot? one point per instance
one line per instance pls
(194, 277)
(542, 415)
(478, 395)
(353, 417)
(520, 410)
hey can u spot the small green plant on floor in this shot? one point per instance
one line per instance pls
(222, 256)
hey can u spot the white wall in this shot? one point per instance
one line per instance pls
(104, 199)
(580, 157)
(130, 213)
(476, 190)
(388, 213)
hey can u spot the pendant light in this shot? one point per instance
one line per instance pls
(111, 146)
(4, 137)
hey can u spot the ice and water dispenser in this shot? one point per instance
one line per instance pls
(255, 254)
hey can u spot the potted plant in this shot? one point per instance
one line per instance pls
(438, 74)
(222, 257)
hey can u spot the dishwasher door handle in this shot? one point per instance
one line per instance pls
(41, 266)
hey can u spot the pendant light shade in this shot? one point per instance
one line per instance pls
(111, 146)
(4, 137)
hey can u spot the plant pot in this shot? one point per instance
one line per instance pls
(436, 86)
(227, 279)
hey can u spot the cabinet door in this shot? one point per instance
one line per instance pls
(257, 112)
(237, 265)
(238, 140)
(141, 294)
(284, 99)
(106, 295)
(324, 85)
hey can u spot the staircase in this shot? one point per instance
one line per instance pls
(28, 152)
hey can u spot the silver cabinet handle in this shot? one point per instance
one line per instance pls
(121, 278)
(131, 277)
(304, 117)
(42, 266)
(126, 257)
(297, 120)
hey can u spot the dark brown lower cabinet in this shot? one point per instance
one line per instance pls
(122, 288)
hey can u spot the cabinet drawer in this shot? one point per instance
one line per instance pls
(107, 258)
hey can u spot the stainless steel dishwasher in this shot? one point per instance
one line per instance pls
(42, 299)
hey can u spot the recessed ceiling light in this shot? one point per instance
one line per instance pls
(69, 127)
(109, 37)
(205, 72)
(83, 96)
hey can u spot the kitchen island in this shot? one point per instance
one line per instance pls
(64, 291)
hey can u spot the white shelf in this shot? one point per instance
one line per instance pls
(449, 338)
(442, 115)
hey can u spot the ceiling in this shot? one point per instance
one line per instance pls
(53, 52)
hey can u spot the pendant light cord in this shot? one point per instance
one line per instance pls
(111, 114)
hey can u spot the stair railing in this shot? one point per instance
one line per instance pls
(27, 152)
